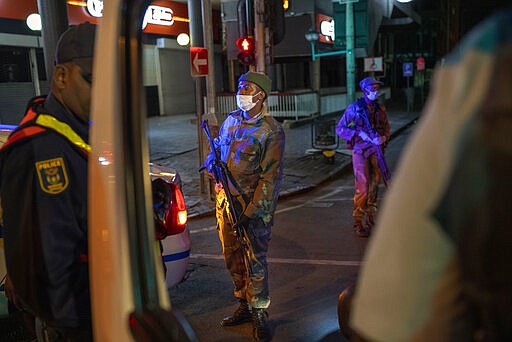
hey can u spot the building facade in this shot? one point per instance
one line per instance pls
(170, 88)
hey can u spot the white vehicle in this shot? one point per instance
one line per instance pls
(170, 216)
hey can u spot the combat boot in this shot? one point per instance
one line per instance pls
(241, 315)
(360, 230)
(260, 328)
(370, 221)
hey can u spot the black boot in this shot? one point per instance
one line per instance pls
(370, 221)
(260, 328)
(360, 230)
(241, 315)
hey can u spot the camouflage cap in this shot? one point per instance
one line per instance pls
(258, 78)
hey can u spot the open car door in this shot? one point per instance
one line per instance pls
(129, 296)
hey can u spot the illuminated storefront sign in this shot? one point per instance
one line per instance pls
(158, 19)
(163, 17)
(158, 15)
(325, 28)
(95, 8)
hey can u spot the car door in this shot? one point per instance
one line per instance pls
(129, 296)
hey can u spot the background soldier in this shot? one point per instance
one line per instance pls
(365, 126)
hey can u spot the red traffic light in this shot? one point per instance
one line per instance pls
(246, 47)
(245, 44)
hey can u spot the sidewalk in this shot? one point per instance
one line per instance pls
(173, 143)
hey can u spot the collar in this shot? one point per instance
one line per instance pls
(53, 107)
(255, 118)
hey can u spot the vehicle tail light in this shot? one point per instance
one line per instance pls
(169, 209)
(178, 211)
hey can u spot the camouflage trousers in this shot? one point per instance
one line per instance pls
(245, 257)
(367, 178)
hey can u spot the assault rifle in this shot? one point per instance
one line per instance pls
(220, 173)
(383, 166)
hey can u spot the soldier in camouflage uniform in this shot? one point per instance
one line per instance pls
(251, 143)
(365, 126)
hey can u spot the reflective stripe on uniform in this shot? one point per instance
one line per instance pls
(63, 129)
(42, 122)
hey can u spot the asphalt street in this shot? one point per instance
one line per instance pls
(313, 256)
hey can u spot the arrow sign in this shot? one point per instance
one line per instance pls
(198, 61)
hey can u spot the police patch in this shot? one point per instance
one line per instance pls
(52, 174)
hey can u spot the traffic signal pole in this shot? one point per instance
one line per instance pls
(199, 12)
(259, 35)
(210, 79)
(196, 39)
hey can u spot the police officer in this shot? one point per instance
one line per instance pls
(43, 190)
(365, 126)
(251, 143)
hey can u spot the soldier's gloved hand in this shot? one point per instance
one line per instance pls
(379, 140)
(365, 136)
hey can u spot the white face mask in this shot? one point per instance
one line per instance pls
(372, 95)
(244, 102)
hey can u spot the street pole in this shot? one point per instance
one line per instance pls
(54, 21)
(210, 79)
(259, 40)
(259, 34)
(351, 59)
(315, 67)
(210, 84)
(196, 39)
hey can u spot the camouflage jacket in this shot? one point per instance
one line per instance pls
(253, 152)
(352, 122)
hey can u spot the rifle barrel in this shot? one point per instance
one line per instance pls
(222, 178)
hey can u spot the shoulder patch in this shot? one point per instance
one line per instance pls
(52, 174)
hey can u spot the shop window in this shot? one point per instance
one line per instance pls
(14, 64)
(41, 70)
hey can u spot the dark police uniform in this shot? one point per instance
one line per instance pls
(43, 188)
